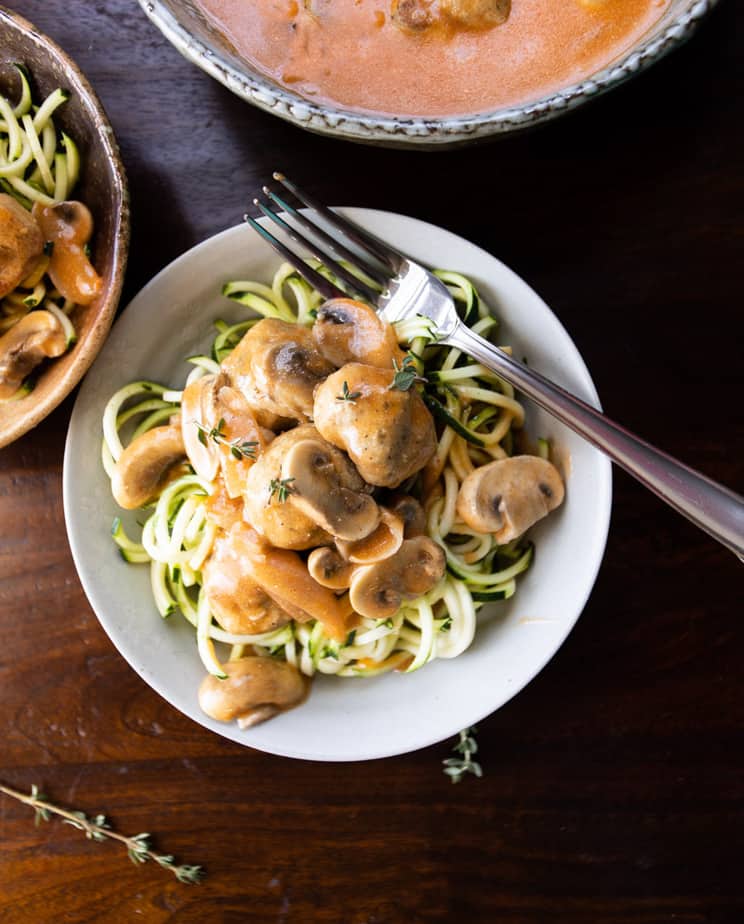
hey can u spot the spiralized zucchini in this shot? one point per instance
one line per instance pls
(478, 413)
(37, 164)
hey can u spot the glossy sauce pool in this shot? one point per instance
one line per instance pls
(348, 52)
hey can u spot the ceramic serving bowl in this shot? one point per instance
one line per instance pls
(102, 187)
(211, 50)
(344, 718)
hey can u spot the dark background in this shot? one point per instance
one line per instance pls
(613, 784)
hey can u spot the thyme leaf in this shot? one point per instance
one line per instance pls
(406, 375)
(97, 828)
(281, 487)
(239, 448)
(467, 746)
(347, 395)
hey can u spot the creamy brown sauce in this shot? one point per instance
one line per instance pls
(349, 52)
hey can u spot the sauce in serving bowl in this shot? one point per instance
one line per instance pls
(352, 53)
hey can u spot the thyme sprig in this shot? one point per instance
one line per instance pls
(239, 448)
(281, 487)
(406, 374)
(97, 828)
(347, 395)
(457, 767)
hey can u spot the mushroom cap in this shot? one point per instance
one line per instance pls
(325, 493)
(411, 512)
(255, 689)
(389, 434)
(507, 496)
(277, 367)
(329, 568)
(347, 331)
(283, 524)
(21, 243)
(36, 336)
(319, 475)
(381, 543)
(377, 591)
(144, 467)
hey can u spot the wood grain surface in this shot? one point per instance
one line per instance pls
(613, 784)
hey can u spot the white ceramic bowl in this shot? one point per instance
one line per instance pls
(205, 46)
(344, 719)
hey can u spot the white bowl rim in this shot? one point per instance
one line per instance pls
(361, 126)
(594, 556)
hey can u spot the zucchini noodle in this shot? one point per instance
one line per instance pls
(477, 413)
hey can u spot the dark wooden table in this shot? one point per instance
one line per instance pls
(613, 785)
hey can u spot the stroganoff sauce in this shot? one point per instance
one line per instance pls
(351, 52)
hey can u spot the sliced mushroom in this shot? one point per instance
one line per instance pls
(277, 367)
(239, 605)
(220, 431)
(507, 496)
(389, 434)
(269, 511)
(383, 542)
(35, 337)
(377, 591)
(319, 474)
(412, 514)
(68, 227)
(347, 331)
(21, 243)
(202, 452)
(329, 568)
(290, 509)
(144, 468)
(256, 689)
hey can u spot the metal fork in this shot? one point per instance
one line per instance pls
(409, 290)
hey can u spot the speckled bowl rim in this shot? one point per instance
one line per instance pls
(445, 131)
(88, 349)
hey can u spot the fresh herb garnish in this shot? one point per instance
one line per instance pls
(239, 448)
(282, 487)
(97, 828)
(347, 395)
(457, 767)
(405, 375)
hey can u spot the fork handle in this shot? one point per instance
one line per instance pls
(712, 507)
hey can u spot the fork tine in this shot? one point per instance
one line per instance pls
(372, 245)
(356, 285)
(323, 285)
(371, 270)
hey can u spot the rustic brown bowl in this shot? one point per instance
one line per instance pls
(102, 187)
